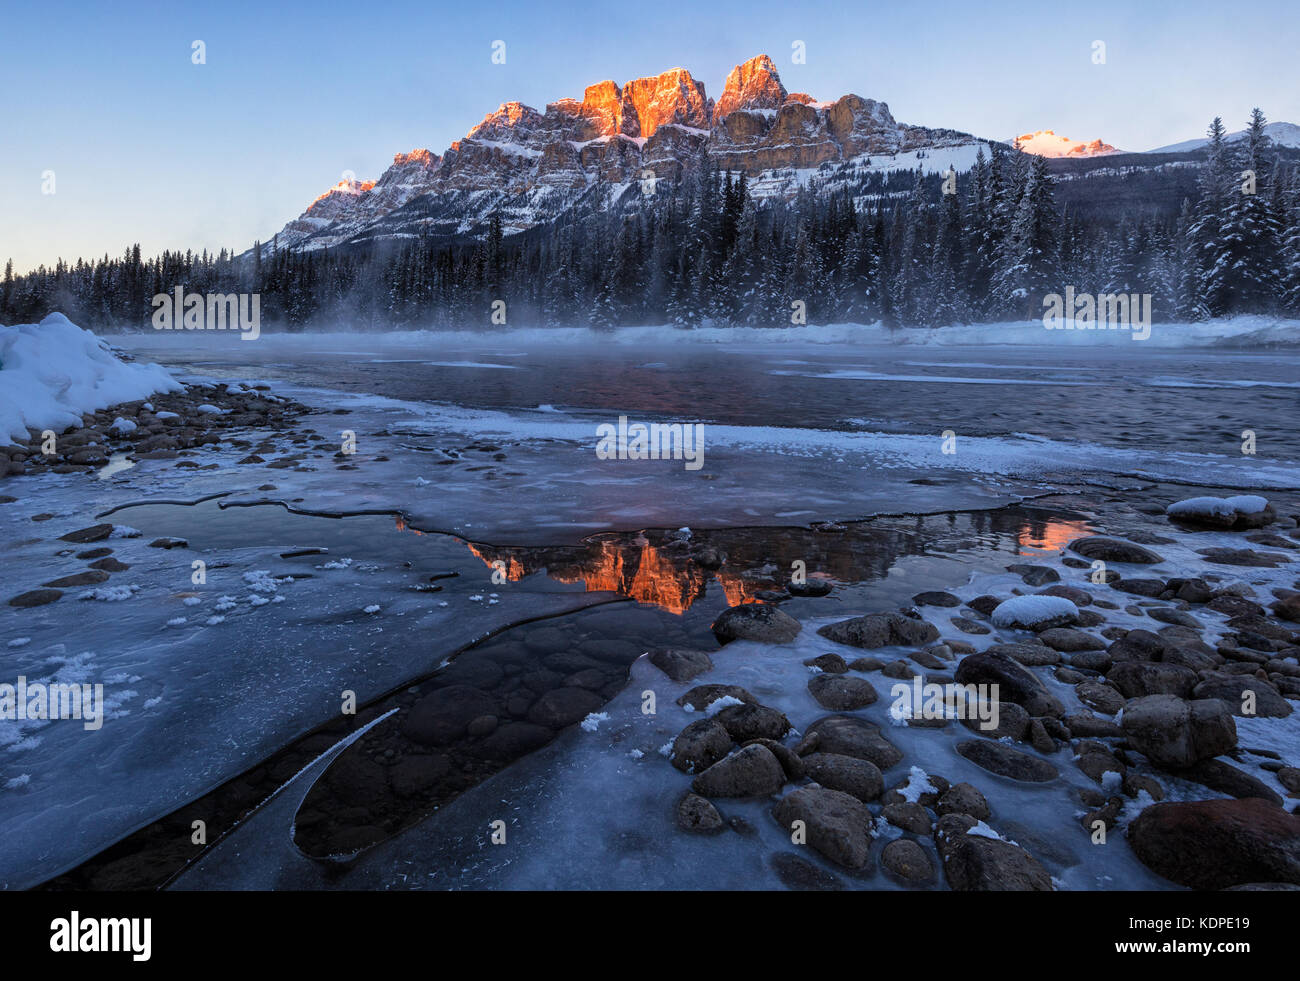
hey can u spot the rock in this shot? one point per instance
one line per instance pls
(1087, 725)
(1103, 698)
(169, 543)
(1244, 557)
(800, 874)
(907, 860)
(1172, 732)
(1012, 722)
(975, 863)
(1216, 844)
(357, 780)
(1079, 597)
(830, 663)
(999, 758)
(750, 772)
(1231, 690)
(963, 798)
(35, 597)
(1222, 513)
(866, 664)
(1289, 777)
(881, 630)
(702, 696)
(746, 722)
(483, 725)
(907, 815)
(1091, 661)
(109, 564)
(562, 707)
(1030, 655)
(1015, 682)
(1034, 613)
(1133, 679)
(858, 777)
(1150, 588)
(793, 765)
(695, 813)
(1227, 779)
(1069, 640)
(1035, 575)
(849, 736)
(1114, 550)
(515, 739)
(700, 745)
(95, 533)
(842, 693)
(88, 578)
(837, 824)
(1167, 614)
(444, 715)
(810, 588)
(755, 621)
(415, 773)
(936, 598)
(680, 665)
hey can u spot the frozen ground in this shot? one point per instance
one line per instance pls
(223, 673)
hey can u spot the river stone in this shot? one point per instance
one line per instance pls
(838, 825)
(700, 745)
(1269, 703)
(1227, 779)
(755, 621)
(695, 813)
(562, 707)
(679, 664)
(906, 859)
(829, 663)
(702, 696)
(963, 798)
(842, 693)
(1030, 655)
(35, 597)
(936, 598)
(1113, 550)
(881, 630)
(750, 772)
(745, 722)
(975, 863)
(861, 778)
(1015, 682)
(907, 815)
(1173, 732)
(95, 533)
(444, 715)
(1070, 640)
(1133, 679)
(90, 577)
(1216, 844)
(849, 736)
(1001, 759)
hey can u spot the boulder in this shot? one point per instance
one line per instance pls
(755, 621)
(881, 630)
(1174, 732)
(837, 824)
(753, 771)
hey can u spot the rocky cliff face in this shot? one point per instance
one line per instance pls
(531, 166)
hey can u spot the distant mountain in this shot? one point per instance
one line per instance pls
(1047, 143)
(1282, 134)
(531, 167)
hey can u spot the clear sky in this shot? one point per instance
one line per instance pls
(147, 146)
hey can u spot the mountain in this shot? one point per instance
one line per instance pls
(1047, 143)
(1282, 134)
(532, 167)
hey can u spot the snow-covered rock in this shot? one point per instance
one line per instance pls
(1035, 612)
(54, 372)
(1240, 511)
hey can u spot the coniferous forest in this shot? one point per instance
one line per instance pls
(908, 250)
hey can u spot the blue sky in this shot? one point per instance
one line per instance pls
(146, 146)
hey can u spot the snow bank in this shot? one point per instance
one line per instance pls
(1245, 331)
(53, 373)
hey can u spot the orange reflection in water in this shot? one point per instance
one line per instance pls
(634, 568)
(1049, 535)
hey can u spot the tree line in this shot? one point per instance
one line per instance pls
(907, 249)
